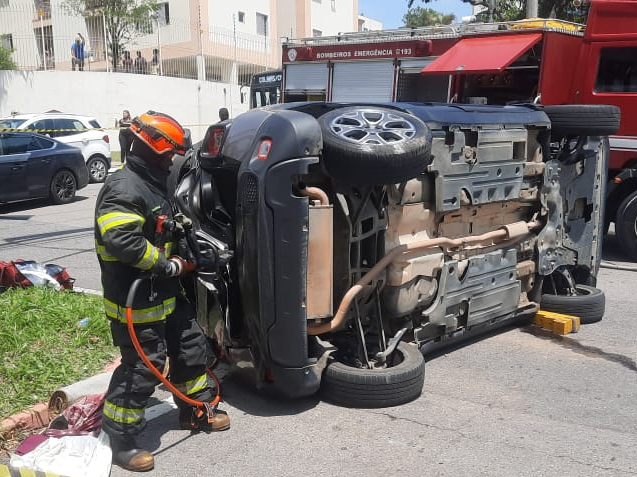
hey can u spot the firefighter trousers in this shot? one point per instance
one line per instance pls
(132, 384)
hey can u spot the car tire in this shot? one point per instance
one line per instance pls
(367, 145)
(97, 169)
(626, 226)
(63, 187)
(582, 120)
(373, 388)
(589, 304)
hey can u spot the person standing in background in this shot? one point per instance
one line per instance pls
(125, 137)
(77, 53)
(141, 65)
(154, 62)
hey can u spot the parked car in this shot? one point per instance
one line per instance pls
(34, 166)
(76, 130)
(351, 239)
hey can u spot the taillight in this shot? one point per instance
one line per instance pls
(105, 138)
(214, 141)
(264, 149)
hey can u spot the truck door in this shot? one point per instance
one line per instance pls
(414, 86)
(363, 81)
(610, 77)
(305, 82)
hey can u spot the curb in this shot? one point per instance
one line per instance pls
(37, 416)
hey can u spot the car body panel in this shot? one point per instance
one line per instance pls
(79, 131)
(32, 161)
(489, 170)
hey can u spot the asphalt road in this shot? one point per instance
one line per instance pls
(521, 402)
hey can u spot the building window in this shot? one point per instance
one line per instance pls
(316, 32)
(7, 41)
(617, 72)
(241, 17)
(163, 13)
(262, 24)
(333, 5)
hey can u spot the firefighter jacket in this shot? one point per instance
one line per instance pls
(128, 245)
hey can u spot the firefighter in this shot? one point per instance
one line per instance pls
(129, 245)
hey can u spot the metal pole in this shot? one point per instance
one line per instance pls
(105, 41)
(42, 34)
(161, 71)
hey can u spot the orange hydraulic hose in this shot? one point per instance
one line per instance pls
(502, 233)
(159, 375)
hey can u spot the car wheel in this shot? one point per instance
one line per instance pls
(589, 303)
(63, 187)
(97, 169)
(582, 120)
(365, 145)
(381, 387)
(626, 225)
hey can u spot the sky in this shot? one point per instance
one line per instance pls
(390, 12)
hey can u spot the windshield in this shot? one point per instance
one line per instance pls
(11, 123)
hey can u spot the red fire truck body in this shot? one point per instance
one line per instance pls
(543, 61)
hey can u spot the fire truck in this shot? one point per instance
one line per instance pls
(544, 61)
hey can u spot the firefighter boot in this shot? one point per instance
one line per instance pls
(127, 454)
(196, 419)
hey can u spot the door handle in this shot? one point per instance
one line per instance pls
(46, 161)
(16, 168)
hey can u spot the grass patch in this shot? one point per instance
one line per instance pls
(43, 347)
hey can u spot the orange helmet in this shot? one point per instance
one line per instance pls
(161, 133)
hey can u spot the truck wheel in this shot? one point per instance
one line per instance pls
(589, 304)
(582, 120)
(380, 387)
(626, 225)
(367, 145)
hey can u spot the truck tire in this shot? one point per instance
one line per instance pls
(582, 120)
(589, 304)
(373, 388)
(370, 145)
(626, 225)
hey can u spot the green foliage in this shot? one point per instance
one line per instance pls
(419, 16)
(43, 348)
(6, 62)
(125, 20)
(507, 10)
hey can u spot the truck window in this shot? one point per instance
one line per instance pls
(617, 72)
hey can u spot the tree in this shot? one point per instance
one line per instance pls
(6, 62)
(419, 16)
(124, 20)
(570, 10)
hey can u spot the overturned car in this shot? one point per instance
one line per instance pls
(349, 239)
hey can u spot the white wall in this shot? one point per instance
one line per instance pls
(195, 104)
(332, 17)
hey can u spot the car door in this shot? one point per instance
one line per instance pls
(42, 163)
(14, 166)
(70, 131)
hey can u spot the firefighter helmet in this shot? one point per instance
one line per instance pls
(161, 133)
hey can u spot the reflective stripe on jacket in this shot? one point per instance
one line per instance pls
(128, 246)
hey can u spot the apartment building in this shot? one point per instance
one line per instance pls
(200, 39)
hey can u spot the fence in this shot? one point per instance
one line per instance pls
(40, 35)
